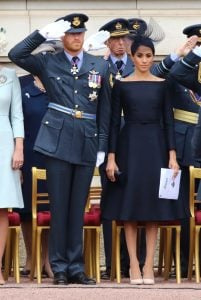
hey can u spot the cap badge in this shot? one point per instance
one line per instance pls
(118, 26)
(76, 21)
(136, 26)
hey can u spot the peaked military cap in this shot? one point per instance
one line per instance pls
(193, 30)
(116, 27)
(77, 22)
(137, 26)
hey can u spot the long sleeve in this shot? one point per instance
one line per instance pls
(168, 118)
(196, 140)
(162, 68)
(103, 111)
(21, 53)
(115, 117)
(16, 108)
(186, 72)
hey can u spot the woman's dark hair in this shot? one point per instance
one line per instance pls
(142, 41)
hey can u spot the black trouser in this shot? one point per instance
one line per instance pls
(68, 187)
(184, 197)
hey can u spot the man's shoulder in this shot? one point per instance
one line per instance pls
(96, 59)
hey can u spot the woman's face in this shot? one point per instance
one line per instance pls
(143, 58)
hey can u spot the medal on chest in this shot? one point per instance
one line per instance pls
(93, 96)
(118, 76)
(74, 70)
(94, 80)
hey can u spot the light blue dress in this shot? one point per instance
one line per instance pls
(11, 126)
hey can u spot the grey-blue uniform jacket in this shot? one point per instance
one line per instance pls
(75, 140)
(187, 71)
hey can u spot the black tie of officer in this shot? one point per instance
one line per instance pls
(119, 64)
(75, 60)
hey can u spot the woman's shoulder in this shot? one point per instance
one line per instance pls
(8, 72)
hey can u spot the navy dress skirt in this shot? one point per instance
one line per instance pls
(35, 104)
(141, 149)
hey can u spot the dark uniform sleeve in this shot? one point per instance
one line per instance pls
(21, 53)
(115, 117)
(103, 111)
(196, 140)
(162, 68)
(168, 118)
(185, 72)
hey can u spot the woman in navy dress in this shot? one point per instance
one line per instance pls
(144, 146)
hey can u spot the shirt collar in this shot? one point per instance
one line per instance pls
(123, 58)
(80, 56)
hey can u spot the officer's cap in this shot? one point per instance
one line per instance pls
(137, 26)
(193, 30)
(116, 27)
(77, 22)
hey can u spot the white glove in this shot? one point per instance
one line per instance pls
(55, 30)
(197, 50)
(96, 41)
(100, 158)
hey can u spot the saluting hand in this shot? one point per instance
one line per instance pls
(189, 44)
(55, 30)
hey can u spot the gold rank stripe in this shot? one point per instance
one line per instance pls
(185, 116)
(119, 33)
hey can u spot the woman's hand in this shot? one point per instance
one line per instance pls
(18, 159)
(111, 167)
(173, 164)
(18, 156)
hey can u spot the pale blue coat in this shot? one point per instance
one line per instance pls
(11, 126)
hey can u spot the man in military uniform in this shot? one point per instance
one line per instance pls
(120, 65)
(186, 107)
(73, 130)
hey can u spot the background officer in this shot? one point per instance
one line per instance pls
(73, 130)
(120, 65)
(186, 107)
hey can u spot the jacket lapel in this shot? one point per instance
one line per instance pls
(87, 64)
(113, 68)
(129, 67)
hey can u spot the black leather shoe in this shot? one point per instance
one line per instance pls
(25, 273)
(106, 274)
(60, 278)
(81, 278)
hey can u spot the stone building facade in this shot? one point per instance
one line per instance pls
(20, 17)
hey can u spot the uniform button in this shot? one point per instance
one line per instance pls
(46, 122)
(76, 106)
(186, 90)
(58, 78)
(75, 91)
(76, 77)
(95, 134)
